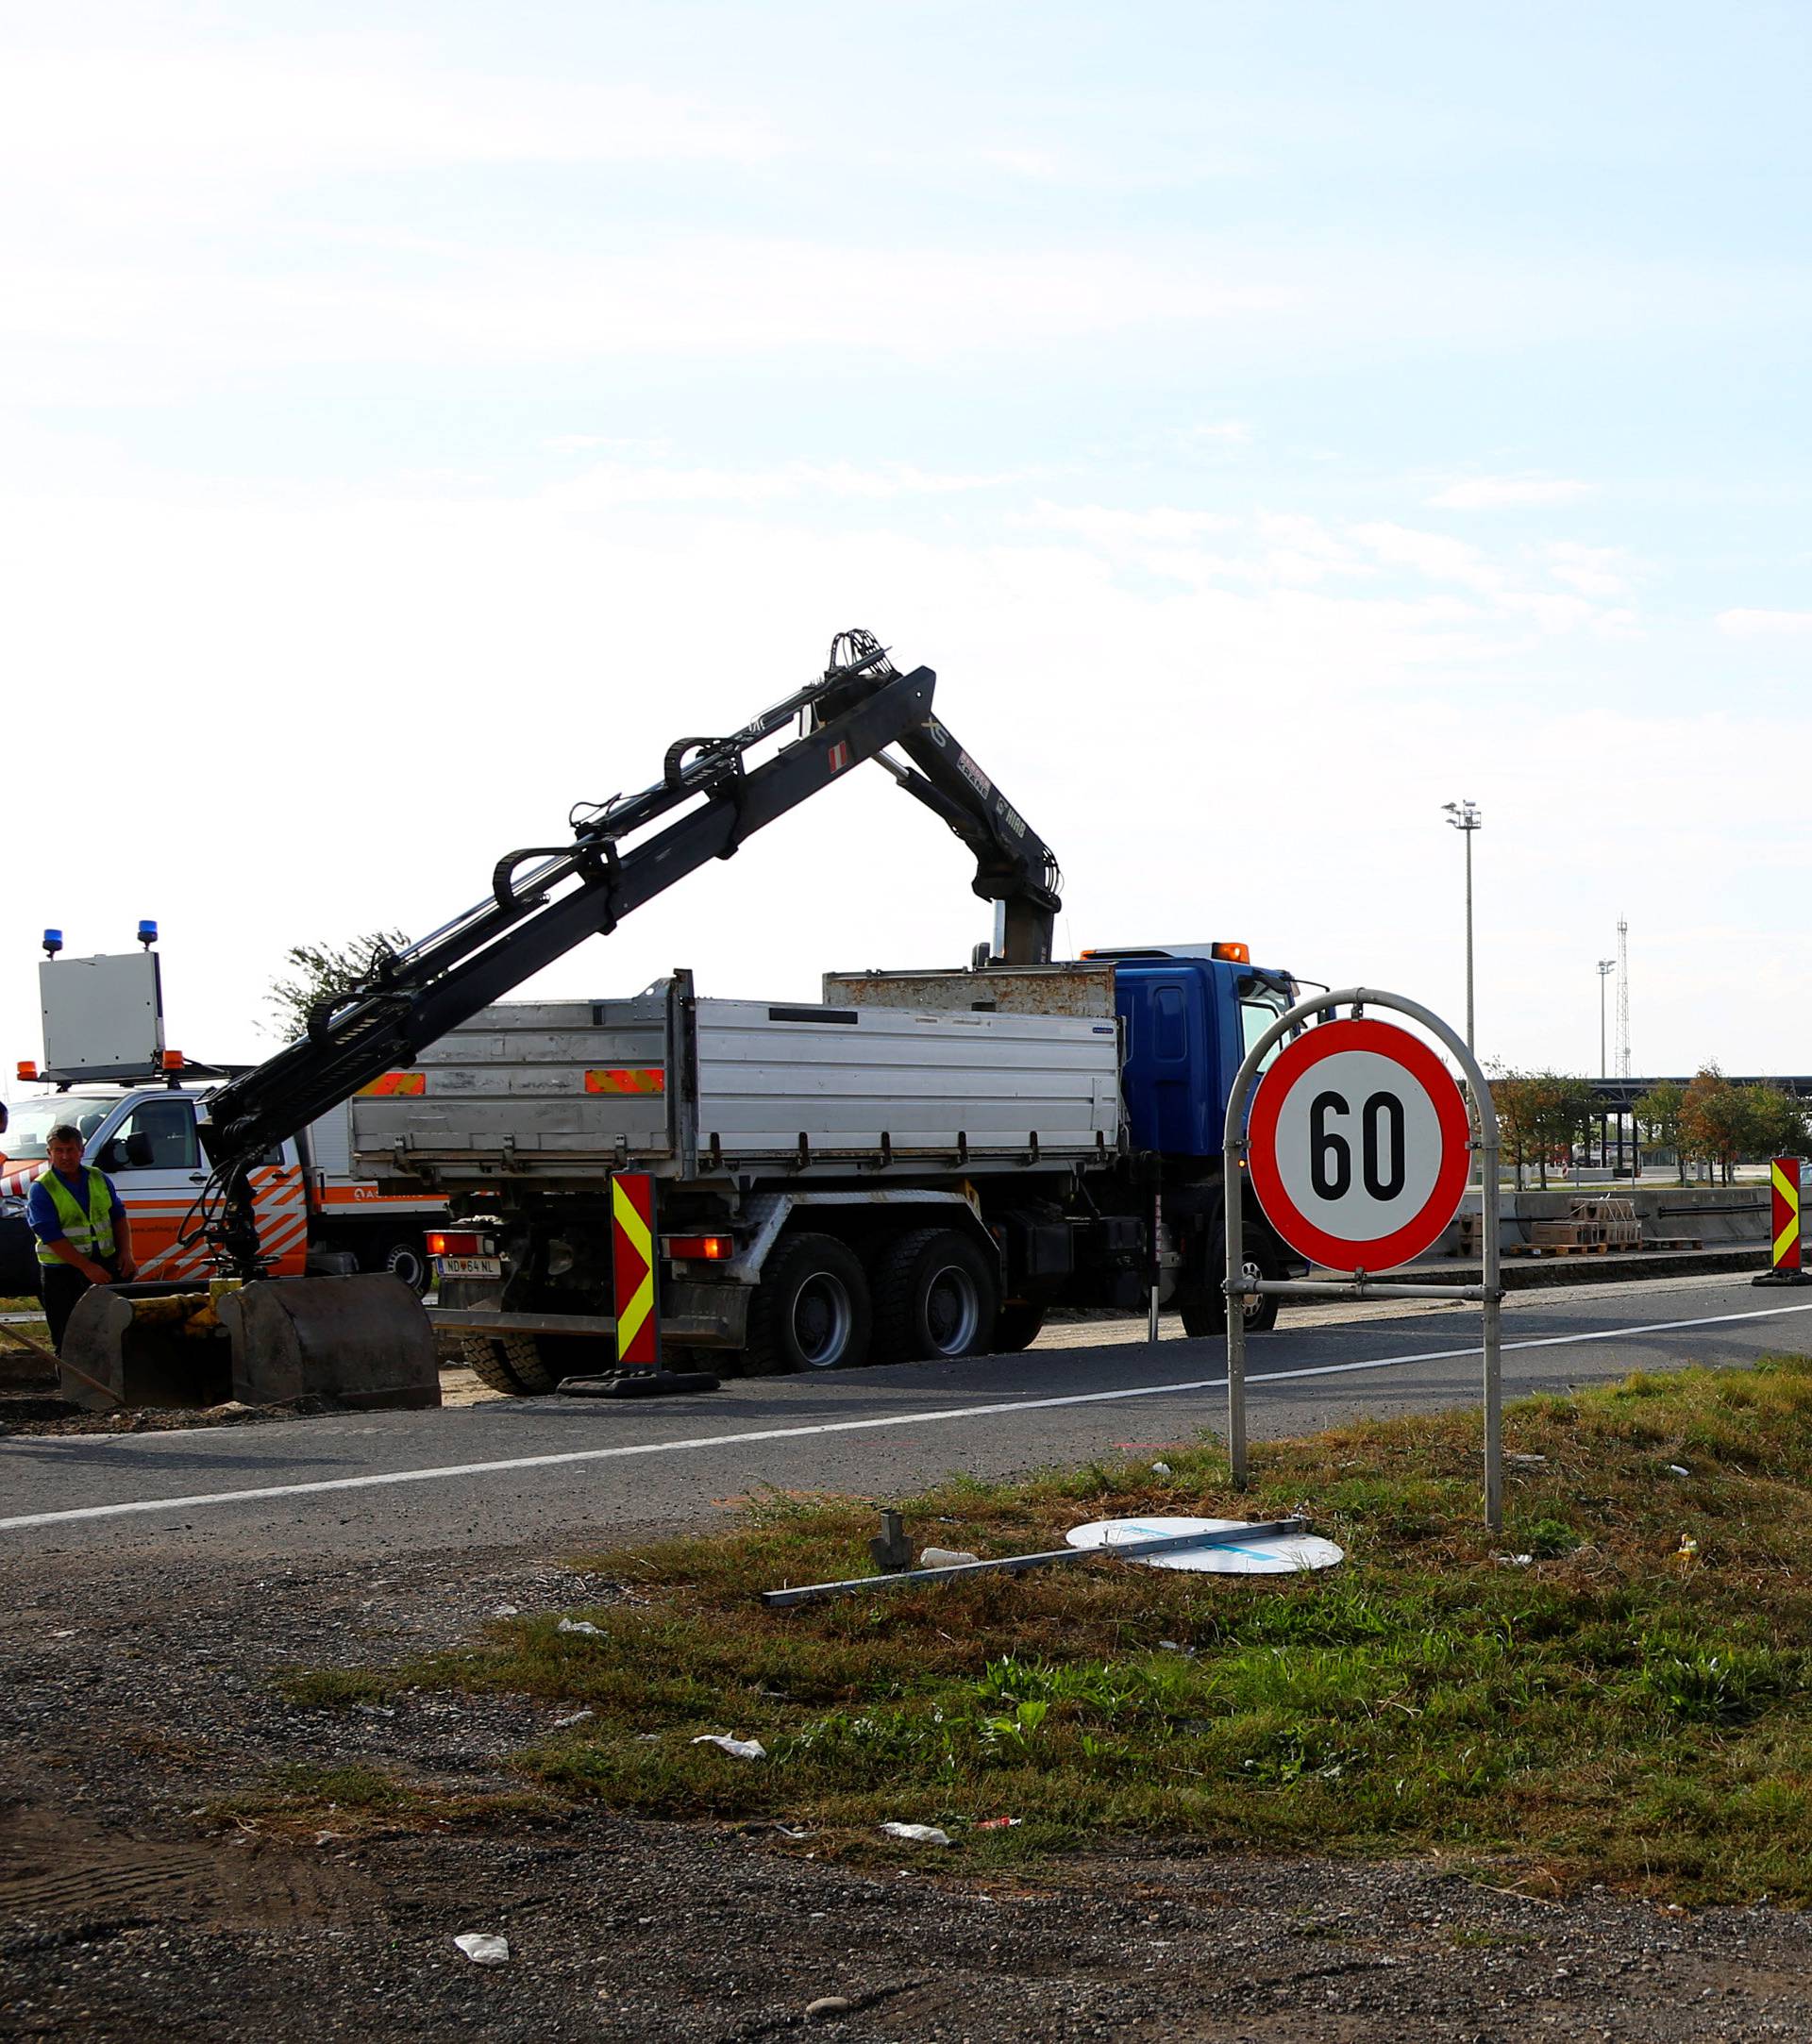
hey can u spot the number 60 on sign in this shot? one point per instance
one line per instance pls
(1358, 1145)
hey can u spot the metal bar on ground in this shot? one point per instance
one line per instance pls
(1308, 1288)
(1223, 1536)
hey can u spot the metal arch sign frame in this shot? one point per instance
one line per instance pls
(1236, 1286)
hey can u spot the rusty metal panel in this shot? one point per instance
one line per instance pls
(1081, 989)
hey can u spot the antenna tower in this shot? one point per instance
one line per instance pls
(1622, 998)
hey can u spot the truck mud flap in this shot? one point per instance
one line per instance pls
(363, 1342)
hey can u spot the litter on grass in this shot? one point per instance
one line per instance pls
(572, 1717)
(580, 1625)
(736, 1748)
(1267, 1552)
(946, 1557)
(483, 1949)
(917, 1834)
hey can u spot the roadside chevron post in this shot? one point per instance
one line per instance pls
(1787, 1213)
(634, 1264)
(1783, 1234)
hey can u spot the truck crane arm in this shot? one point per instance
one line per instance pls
(545, 900)
(1015, 867)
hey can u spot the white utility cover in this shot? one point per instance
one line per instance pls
(1280, 1554)
(102, 1015)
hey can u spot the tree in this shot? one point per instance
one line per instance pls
(321, 969)
(1715, 1122)
(1566, 1109)
(1540, 1116)
(1777, 1126)
(1657, 1114)
(1513, 1094)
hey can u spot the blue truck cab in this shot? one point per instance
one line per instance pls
(1188, 1015)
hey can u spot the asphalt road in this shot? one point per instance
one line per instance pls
(569, 1472)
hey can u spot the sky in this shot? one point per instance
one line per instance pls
(1271, 423)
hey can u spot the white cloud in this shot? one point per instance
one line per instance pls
(330, 106)
(1594, 571)
(85, 331)
(1435, 555)
(394, 689)
(1491, 493)
(1766, 624)
(622, 483)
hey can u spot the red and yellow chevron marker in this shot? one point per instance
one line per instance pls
(632, 1261)
(1785, 1177)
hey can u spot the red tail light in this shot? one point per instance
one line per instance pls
(702, 1248)
(458, 1242)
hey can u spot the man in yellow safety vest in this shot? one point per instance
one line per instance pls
(84, 1236)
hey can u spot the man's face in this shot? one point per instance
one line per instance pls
(65, 1157)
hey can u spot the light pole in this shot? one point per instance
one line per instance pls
(1606, 968)
(1465, 817)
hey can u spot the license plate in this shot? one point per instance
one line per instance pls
(470, 1267)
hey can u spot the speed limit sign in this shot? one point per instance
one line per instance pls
(1357, 1144)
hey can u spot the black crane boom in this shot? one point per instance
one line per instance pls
(545, 900)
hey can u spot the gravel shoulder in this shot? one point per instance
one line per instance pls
(129, 1908)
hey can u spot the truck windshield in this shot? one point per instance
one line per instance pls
(33, 1120)
(1259, 1007)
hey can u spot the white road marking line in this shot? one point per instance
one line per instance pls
(628, 1449)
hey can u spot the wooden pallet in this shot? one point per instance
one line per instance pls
(1557, 1248)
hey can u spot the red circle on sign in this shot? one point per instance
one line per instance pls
(1423, 1228)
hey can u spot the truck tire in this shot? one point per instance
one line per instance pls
(936, 1297)
(1017, 1328)
(508, 1363)
(1204, 1306)
(407, 1260)
(812, 1311)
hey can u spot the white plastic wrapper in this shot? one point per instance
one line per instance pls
(483, 1947)
(736, 1748)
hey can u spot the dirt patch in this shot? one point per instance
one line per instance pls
(135, 1707)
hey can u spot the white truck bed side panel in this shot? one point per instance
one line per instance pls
(920, 1080)
(515, 1076)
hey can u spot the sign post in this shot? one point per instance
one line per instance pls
(1783, 1234)
(1359, 1145)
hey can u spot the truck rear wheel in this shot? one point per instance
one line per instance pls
(1203, 1306)
(812, 1311)
(508, 1363)
(936, 1297)
(1018, 1326)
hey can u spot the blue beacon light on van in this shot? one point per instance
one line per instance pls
(147, 934)
(53, 943)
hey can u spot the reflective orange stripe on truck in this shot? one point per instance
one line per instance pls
(627, 1078)
(392, 1085)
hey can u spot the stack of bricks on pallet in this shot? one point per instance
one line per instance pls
(1598, 1226)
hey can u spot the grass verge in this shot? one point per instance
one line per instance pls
(1618, 1690)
